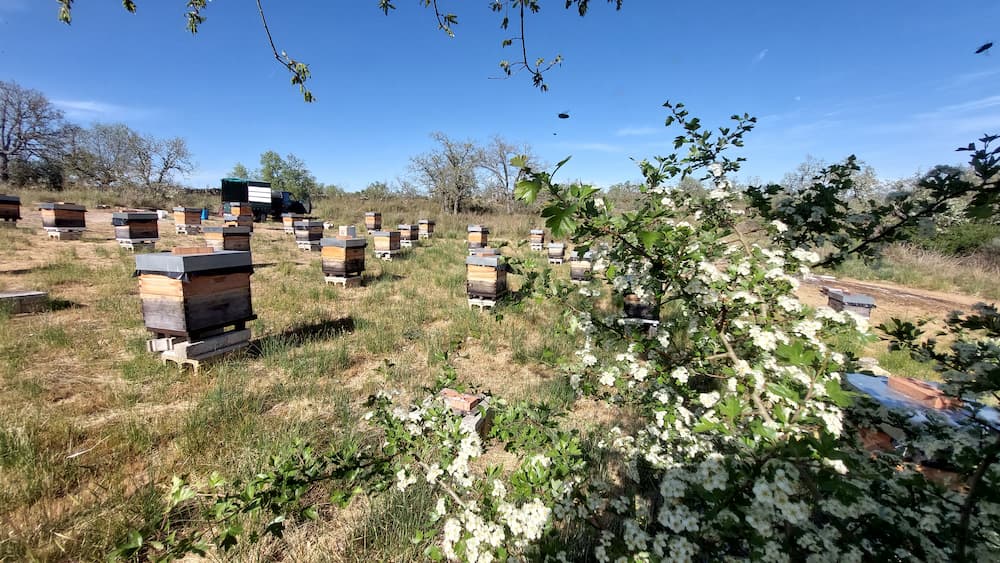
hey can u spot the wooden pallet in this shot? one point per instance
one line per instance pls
(482, 303)
(424, 236)
(187, 229)
(386, 255)
(60, 233)
(555, 260)
(406, 243)
(352, 281)
(312, 245)
(195, 354)
(132, 244)
(537, 246)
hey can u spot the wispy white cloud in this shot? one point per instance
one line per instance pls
(90, 110)
(760, 56)
(637, 131)
(965, 79)
(964, 107)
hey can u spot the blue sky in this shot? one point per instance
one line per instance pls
(896, 83)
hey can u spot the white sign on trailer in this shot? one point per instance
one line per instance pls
(259, 194)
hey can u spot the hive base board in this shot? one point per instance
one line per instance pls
(555, 260)
(308, 245)
(60, 233)
(202, 351)
(353, 281)
(8, 222)
(289, 230)
(386, 255)
(424, 236)
(482, 303)
(17, 302)
(537, 246)
(187, 229)
(134, 243)
(406, 243)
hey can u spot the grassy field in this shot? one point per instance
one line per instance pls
(92, 426)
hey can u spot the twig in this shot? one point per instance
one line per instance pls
(81, 452)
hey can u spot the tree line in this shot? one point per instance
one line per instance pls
(39, 147)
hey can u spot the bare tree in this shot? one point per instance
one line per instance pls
(449, 173)
(158, 160)
(501, 175)
(29, 125)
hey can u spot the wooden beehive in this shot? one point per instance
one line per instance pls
(557, 251)
(228, 238)
(853, 302)
(373, 220)
(537, 237)
(580, 267)
(63, 216)
(131, 225)
(288, 220)
(478, 236)
(308, 231)
(409, 232)
(347, 232)
(240, 214)
(343, 258)
(386, 241)
(187, 216)
(10, 208)
(635, 308)
(486, 277)
(426, 228)
(194, 295)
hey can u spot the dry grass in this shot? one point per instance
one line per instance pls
(92, 426)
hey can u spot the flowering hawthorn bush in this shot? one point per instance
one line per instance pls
(735, 438)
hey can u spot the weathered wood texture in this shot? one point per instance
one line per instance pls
(308, 230)
(228, 238)
(478, 236)
(409, 232)
(17, 302)
(187, 216)
(138, 230)
(63, 215)
(537, 236)
(373, 220)
(486, 282)
(387, 240)
(426, 227)
(10, 208)
(557, 251)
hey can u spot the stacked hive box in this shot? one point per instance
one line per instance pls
(373, 221)
(557, 251)
(64, 221)
(344, 260)
(579, 266)
(228, 238)
(426, 228)
(486, 279)
(478, 238)
(196, 302)
(10, 209)
(134, 229)
(187, 220)
(858, 303)
(288, 220)
(537, 239)
(408, 234)
(240, 215)
(386, 244)
(308, 235)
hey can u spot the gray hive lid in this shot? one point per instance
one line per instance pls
(293, 215)
(406, 227)
(188, 263)
(307, 224)
(371, 213)
(135, 216)
(477, 229)
(228, 230)
(877, 387)
(853, 299)
(230, 217)
(538, 231)
(557, 245)
(425, 222)
(188, 209)
(10, 199)
(491, 261)
(344, 243)
(384, 233)
(62, 206)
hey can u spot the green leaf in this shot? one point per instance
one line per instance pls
(650, 238)
(527, 190)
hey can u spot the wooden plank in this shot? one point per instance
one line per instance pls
(182, 250)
